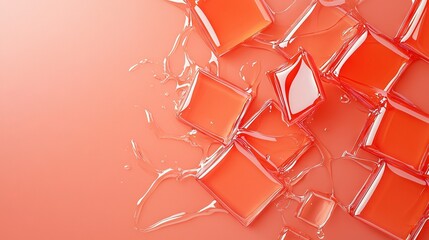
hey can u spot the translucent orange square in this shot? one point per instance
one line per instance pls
(400, 135)
(226, 23)
(416, 32)
(214, 106)
(322, 32)
(411, 86)
(316, 209)
(298, 87)
(239, 182)
(273, 139)
(370, 65)
(392, 19)
(394, 201)
(422, 232)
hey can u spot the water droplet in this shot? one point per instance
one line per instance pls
(127, 167)
(320, 234)
(325, 129)
(166, 94)
(344, 98)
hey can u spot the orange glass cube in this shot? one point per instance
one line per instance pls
(225, 23)
(401, 135)
(416, 32)
(322, 32)
(316, 209)
(411, 86)
(370, 66)
(273, 139)
(298, 87)
(239, 182)
(422, 232)
(286, 13)
(214, 106)
(393, 201)
(390, 22)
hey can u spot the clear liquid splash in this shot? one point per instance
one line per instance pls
(177, 174)
(250, 74)
(182, 217)
(347, 33)
(320, 233)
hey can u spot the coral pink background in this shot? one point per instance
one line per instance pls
(68, 110)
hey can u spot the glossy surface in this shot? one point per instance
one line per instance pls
(229, 23)
(351, 118)
(240, 183)
(289, 234)
(416, 33)
(316, 209)
(350, 175)
(214, 106)
(322, 32)
(286, 13)
(393, 18)
(424, 231)
(410, 88)
(88, 123)
(370, 65)
(394, 201)
(277, 142)
(400, 134)
(298, 87)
